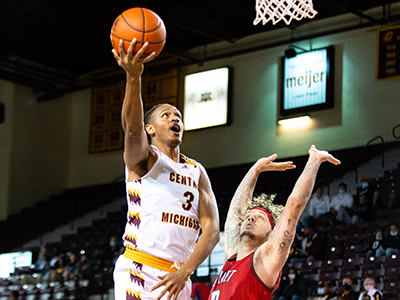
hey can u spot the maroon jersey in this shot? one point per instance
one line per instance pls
(238, 280)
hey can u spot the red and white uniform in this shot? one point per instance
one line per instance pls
(239, 281)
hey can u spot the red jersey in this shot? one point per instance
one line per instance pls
(238, 280)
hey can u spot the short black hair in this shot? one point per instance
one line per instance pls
(147, 118)
(343, 185)
(318, 187)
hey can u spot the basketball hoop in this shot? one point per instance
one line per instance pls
(286, 10)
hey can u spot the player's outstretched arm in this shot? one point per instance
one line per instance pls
(270, 258)
(136, 145)
(208, 212)
(242, 199)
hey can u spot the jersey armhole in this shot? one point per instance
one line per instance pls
(253, 271)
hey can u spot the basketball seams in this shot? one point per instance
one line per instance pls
(130, 24)
(137, 42)
(149, 29)
(138, 30)
(155, 29)
(144, 24)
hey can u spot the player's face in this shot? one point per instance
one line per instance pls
(167, 125)
(256, 225)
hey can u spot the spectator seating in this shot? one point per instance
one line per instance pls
(344, 254)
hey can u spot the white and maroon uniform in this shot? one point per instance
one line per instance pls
(162, 221)
(239, 281)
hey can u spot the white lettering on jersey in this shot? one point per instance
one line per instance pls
(225, 276)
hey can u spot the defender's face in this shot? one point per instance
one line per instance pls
(256, 223)
(166, 125)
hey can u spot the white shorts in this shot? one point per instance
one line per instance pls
(133, 281)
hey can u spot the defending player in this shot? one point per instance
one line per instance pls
(257, 237)
(169, 197)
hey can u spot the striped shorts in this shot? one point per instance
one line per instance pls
(133, 281)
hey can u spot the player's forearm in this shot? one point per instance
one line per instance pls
(243, 195)
(305, 184)
(237, 209)
(132, 108)
(206, 243)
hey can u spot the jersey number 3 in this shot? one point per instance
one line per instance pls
(189, 199)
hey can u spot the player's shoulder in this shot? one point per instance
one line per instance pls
(189, 161)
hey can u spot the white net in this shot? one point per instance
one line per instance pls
(286, 10)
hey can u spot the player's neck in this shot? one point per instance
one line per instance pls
(246, 247)
(172, 152)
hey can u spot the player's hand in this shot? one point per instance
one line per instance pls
(174, 283)
(132, 64)
(268, 164)
(323, 156)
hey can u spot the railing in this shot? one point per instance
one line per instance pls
(379, 137)
(394, 132)
(119, 178)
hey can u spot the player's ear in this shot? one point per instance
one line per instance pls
(149, 129)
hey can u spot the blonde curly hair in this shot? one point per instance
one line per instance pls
(265, 201)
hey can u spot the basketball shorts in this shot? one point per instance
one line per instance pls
(133, 281)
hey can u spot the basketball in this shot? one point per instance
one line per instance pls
(142, 24)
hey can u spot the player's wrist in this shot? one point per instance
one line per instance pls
(132, 78)
(186, 272)
(258, 168)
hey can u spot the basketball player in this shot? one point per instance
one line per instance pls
(258, 234)
(169, 198)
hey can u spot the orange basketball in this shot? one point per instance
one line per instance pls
(142, 24)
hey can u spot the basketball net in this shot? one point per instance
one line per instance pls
(286, 10)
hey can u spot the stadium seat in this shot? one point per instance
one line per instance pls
(353, 263)
(296, 266)
(391, 289)
(357, 287)
(311, 266)
(392, 272)
(337, 240)
(358, 237)
(382, 214)
(382, 223)
(392, 260)
(330, 278)
(374, 262)
(354, 275)
(333, 290)
(314, 276)
(332, 265)
(353, 250)
(334, 252)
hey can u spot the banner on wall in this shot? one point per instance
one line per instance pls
(159, 85)
(388, 55)
(106, 133)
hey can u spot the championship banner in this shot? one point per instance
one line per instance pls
(106, 132)
(388, 56)
(159, 85)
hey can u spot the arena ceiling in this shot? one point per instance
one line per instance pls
(50, 45)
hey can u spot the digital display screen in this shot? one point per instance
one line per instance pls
(307, 81)
(10, 261)
(206, 99)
